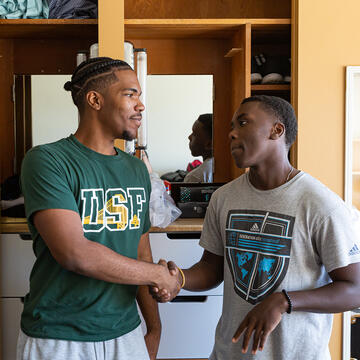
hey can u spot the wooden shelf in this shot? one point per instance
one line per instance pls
(19, 226)
(181, 225)
(48, 28)
(13, 226)
(134, 28)
(270, 87)
(194, 28)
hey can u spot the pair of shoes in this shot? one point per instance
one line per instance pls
(270, 69)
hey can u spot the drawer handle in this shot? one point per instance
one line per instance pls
(184, 236)
(189, 298)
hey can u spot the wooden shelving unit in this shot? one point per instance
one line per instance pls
(196, 28)
(137, 28)
(270, 87)
(48, 28)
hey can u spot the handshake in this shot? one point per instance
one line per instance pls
(170, 282)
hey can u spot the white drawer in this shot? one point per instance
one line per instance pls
(11, 310)
(188, 328)
(16, 259)
(184, 252)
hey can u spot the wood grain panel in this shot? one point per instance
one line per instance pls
(203, 28)
(47, 56)
(48, 28)
(111, 26)
(6, 110)
(23, 119)
(294, 73)
(240, 79)
(190, 9)
(199, 56)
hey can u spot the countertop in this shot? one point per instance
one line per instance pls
(19, 226)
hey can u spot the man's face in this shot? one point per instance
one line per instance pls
(199, 141)
(250, 137)
(121, 112)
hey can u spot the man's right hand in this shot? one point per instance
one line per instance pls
(170, 285)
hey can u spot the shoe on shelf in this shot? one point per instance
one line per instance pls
(256, 68)
(287, 70)
(273, 70)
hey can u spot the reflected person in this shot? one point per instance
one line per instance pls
(200, 144)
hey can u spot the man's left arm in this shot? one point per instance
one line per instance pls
(342, 294)
(148, 306)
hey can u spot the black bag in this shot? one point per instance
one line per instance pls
(73, 9)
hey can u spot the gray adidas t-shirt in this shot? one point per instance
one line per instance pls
(289, 238)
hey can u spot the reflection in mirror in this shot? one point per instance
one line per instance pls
(174, 103)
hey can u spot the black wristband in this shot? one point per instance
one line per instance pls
(288, 300)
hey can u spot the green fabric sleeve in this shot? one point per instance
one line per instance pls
(44, 184)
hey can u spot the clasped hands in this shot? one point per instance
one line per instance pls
(170, 282)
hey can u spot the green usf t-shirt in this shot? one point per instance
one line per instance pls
(111, 195)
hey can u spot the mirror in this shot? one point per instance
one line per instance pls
(54, 115)
(351, 319)
(174, 102)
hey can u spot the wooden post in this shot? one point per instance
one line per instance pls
(112, 35)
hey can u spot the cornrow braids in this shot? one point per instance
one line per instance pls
(93, 74)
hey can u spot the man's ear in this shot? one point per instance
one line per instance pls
(208, 144)
(95, 100)
(277, 131)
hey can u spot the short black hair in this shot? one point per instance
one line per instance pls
(207, 121)
(282, 110)
(93, 74)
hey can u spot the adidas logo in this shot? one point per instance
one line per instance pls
(255, 227)
(354, 250)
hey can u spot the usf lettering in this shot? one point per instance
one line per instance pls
(116, 211)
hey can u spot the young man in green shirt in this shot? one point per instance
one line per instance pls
(87, 209)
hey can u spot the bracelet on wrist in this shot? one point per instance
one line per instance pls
(288, 300)
(183, 277)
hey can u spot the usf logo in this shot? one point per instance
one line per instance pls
(116, 210)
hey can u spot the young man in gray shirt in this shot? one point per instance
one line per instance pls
(283, 244)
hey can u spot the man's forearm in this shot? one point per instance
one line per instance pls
(335, 297)
(202, 276)
(98, 261)
(150, 311)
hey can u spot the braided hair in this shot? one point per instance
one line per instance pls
(93, 74)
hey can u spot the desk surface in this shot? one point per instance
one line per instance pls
(19, 226)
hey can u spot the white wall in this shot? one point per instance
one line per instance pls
(174, 102)
(54, 116)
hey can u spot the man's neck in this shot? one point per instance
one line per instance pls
(271, 177)
(95, 141)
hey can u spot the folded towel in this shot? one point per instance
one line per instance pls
(24, 9)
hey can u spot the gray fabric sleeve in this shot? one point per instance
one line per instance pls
(211, 239)
(336, 239)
